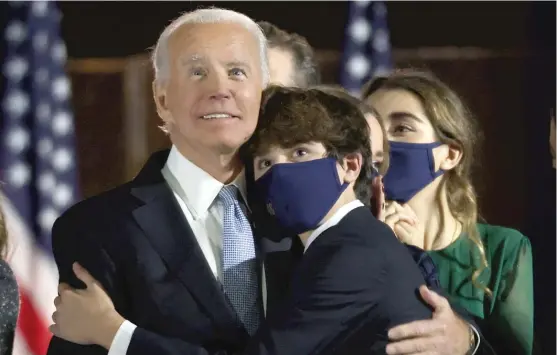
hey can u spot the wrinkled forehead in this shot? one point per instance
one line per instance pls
(198, 41)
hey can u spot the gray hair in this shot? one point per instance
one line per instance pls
(160, 58)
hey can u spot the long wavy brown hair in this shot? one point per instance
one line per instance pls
(455, 126)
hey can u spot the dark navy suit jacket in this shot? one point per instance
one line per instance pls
(354, 283)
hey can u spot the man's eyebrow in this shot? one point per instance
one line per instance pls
(237, 63)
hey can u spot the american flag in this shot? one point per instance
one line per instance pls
(37, 159)
(367, 48)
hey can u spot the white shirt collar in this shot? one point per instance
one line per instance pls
(333, 221)
(199, 188)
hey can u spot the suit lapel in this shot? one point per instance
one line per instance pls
(167, 229)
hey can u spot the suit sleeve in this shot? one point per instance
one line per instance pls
(132, 340)
(144, 342)
(71, 244)
(332, 294)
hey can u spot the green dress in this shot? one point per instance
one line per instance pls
(507, 319)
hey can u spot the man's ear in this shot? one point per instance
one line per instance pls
(352, 165)
(451, 157)
(159, 95)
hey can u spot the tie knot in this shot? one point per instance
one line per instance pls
(228, 195)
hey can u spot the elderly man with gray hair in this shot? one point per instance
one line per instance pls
(185, 252)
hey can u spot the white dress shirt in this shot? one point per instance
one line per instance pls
(333, 221)
(196, 193)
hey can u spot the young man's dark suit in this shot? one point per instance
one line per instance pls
(354, 282)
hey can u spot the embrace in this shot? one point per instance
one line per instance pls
(253, 233)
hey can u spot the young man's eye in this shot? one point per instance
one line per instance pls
(263, 164)
(300, 152)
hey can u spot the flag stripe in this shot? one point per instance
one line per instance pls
(24, 258)
(33, 326)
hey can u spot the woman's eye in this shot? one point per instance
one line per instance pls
(403, 129)
(300, 152)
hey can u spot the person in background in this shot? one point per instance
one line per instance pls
(487, 269)
(292, 60)
(379, 145)
(9, 293)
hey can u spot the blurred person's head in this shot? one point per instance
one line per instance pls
(311, 155)
(210, 69)
(432, 139)
(292, 61)
(378, 140)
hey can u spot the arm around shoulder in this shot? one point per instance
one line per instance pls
(71, 242)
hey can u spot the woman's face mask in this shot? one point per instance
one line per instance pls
(412, 139)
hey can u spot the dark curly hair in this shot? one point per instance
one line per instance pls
(292, 116)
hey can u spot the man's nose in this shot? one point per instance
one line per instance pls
(219, 88)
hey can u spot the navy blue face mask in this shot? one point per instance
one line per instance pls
(411, 168)
(299, 195)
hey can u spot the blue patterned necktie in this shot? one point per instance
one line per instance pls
(240, 279)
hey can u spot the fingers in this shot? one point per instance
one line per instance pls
(437, 302)
(420, 328)
(406, 207)
(395, 218)
(57, 301)
(54, 329)
(395, 208)
(64, 287)
(404, 231)
(83, 275)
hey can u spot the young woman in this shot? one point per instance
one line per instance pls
(9, 296)
(431, 203)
